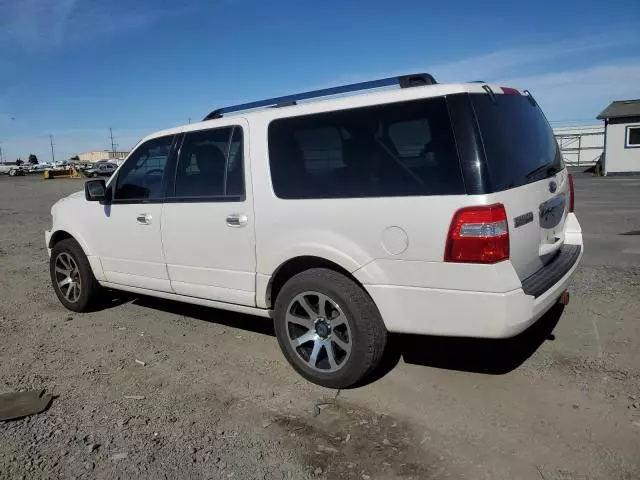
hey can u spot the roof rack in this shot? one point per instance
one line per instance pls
(404, 81)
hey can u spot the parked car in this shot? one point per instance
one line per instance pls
(38, 168)
(16, 171)
(426, 209)
(104, 169)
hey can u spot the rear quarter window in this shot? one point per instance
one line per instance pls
(401, 149)
(519, 144)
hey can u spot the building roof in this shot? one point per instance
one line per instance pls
(621, 109)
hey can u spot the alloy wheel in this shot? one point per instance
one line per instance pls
(67, 276)
(318, 331)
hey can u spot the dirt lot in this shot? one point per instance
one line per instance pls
(218, 399)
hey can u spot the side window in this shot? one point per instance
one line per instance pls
(399, 149)
(140, 178)
(210, 164)
(321, 149)
(235, 168)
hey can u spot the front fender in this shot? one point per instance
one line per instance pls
(94, 261)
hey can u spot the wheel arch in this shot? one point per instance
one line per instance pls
(58, 236)
(299, 264)
(64, 234)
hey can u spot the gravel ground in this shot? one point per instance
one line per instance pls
(216, 399)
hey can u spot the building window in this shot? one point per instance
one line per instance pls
(633, 137)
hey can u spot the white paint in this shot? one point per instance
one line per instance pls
(394, 240)
(196, 301)
(205, 256)
(618, 158)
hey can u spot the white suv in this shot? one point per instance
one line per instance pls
(424, 208)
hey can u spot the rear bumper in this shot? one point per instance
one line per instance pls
(545, 278)
(430, 311)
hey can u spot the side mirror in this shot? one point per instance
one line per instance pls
(95, 190)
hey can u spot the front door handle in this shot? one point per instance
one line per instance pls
(236, 220)
(143, 219)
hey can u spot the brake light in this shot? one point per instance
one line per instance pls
(478, 235)
(572, 195)
(510, 91)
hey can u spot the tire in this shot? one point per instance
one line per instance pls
(68, 256)
(12, 173)
(351, 328)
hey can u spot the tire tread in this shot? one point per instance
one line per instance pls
(366, 314)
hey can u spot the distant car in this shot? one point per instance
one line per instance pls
(39, 168)
(12, 170)
(105, 169)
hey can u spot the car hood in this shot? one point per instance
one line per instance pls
(76, 196)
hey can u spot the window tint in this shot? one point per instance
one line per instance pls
(235, 168)
(400, 149)
(210, 164)
(140, 178)
(518, 141)
(633, 136)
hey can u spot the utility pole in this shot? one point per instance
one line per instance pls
(189, 120)
(1, 157)
(113, 145)
(53, 157)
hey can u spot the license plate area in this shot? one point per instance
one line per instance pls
(551, 217)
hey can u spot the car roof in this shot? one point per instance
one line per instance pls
(364, 99)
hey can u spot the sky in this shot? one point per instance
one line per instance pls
(75, 68)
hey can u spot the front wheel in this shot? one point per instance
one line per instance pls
(329, 329)
(72, 277)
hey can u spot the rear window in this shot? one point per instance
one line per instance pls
(518, 142)
(401, 149)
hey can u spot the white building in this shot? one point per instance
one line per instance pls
(92, 157)
(622, 137)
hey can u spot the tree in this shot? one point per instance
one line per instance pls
(33, 160)
(75, 158)
(19, 162)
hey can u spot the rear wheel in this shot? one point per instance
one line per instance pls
(329, 329)
(12, 173)
(71, 276)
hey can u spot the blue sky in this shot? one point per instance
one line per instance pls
(74, 68)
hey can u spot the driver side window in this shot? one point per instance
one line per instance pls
(140, 178)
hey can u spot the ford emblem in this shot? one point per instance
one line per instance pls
(553, 186)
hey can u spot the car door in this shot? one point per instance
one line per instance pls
(208, 227)
(127, 231)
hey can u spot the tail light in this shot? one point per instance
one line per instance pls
(478, 235)
(572, 195)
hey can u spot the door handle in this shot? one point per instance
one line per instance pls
(236, 220)
(143, 219)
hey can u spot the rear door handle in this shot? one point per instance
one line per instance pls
(143, 219)
(236, 220)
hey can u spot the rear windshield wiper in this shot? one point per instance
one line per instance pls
(547, 169)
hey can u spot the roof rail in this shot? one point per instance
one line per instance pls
(404, 81)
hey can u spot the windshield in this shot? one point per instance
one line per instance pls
(519, 144)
